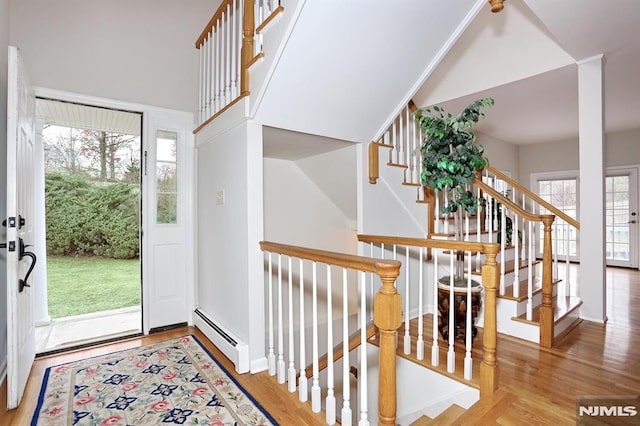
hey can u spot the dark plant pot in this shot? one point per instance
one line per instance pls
(460, 306)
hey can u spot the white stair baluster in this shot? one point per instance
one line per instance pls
(202, 87)
(478, 231)
(227, 48)
(407, 319)
(435, 348)
(345, 414)
(420, 341)
(567, 271)
(503, 243)
(555, 249)
(330, 402)
(394, 142)
(516, 255)
(315, 386)
(530, 274)
(234, 49)
(451, 355)
(292, 365)
(302, 382)
(468, 361)
(280, 364)
(363, 387)
(271, 357)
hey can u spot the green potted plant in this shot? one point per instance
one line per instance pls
(451, 160)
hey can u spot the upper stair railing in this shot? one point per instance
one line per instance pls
(229, 44)
(304, 304)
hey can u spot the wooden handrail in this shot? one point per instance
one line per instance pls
(212, 22)
(430, 243)
(350, 261)
(508, 203)
(535, 197)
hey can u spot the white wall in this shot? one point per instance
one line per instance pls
(4, 43)
(298, 212)
(340, 183)
(140, 51)
(229, 260)
(621, 149)
(502, 155)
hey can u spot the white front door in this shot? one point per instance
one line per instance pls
(168, 288)
(621, 209)
(20, 230)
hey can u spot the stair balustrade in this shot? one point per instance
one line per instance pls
(439, 317)
(229, 44)
(527, 227)
(320, 310)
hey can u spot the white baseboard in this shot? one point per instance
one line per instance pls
(229, 344)
(3, 370)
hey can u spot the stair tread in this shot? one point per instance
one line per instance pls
(562, 306)
(422, 421)
(509, 265)
(523, 286)
(487, 409)
(449, 415)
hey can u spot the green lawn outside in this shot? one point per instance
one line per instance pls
(81, 285)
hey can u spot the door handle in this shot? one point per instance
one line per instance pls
(21, 254)
(632, 221)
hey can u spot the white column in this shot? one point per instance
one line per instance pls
(41, 311)
(592, 173)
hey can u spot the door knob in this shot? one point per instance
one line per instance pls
(632, 221)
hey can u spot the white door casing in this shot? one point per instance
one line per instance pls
(20, 230)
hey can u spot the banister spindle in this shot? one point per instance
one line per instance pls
(407, 284)
(280, 364)
(271, 357)
(346, 412)
(302, 381)
(530, 274)
(362, 377)
(451, 354)
(516, 255)
(503, 243)
(420, 341)
(292, 366)
(330, 401)
(468, 361)
(315, 386)
(435, 348)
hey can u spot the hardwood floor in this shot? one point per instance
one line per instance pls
(537, 386)
(282, 405)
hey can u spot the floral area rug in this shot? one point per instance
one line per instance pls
(172, 382)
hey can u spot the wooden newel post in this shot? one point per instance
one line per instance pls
(489, 364)
(546, 308)
(246, 54)
(387, 317)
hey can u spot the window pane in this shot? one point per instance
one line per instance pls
(166, 177)
(167, 180)
(166, 145)
(167, 208)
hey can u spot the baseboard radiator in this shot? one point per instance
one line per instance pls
(236, 350)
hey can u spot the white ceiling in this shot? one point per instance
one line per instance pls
(544, 107)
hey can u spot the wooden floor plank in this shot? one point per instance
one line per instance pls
(537, 385)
